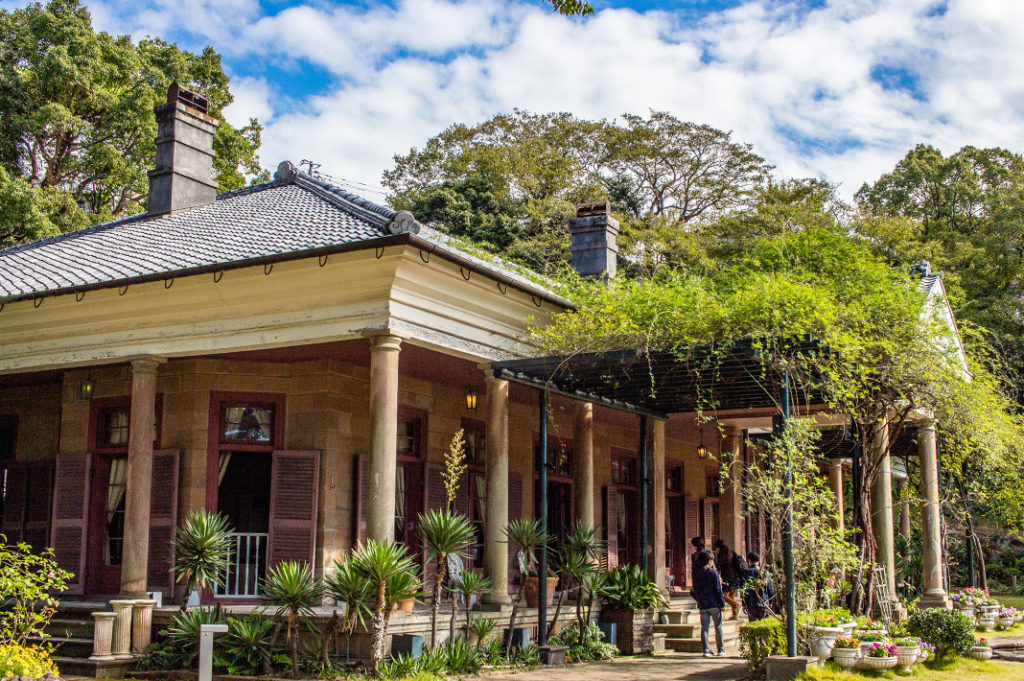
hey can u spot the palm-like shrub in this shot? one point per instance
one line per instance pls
(350, 587)
(443, 533)
(184, 631)
(248, 645)
(525, 536)
(481, 628)
(290, 586)
(628, 587)
(380, 563)
(202, 550)
(576, 564)
(472, 584)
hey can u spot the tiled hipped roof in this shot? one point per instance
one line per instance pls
(294, 213)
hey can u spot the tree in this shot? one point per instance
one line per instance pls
(384, 565)
(76, 114)
(572, 8)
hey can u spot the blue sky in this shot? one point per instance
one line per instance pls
(839, 89)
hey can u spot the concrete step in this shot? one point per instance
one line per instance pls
(67, 646)
(692, 629)
(76, 666)
(693, 644)
(675, 616)
(70, 626)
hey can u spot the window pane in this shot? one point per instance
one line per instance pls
(407, 438)
(113, 534)
(248, 424)
(115, 427)
(400, 505)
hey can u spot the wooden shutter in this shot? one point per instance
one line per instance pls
(435, 498)
(295, 483)
(691, 508)
(677, 540)
(515, 512)
(163, 519)
(611, 526)
(709, 519)
(15, 493)
(361, 476)
(70, 511)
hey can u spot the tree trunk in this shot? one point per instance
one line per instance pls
(380, 626)
(558, 607)
(512, 620)
(435, 606)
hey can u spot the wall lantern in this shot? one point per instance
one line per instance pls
(471, 400)
(86, 389)
(702, 451)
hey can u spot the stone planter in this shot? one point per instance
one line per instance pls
(845, 658)
(990, 610)
(906, 656)
(980, 653)
(634, 629)
(1005, 621)
(532, 592)
(822, 640)
(986, 623)
(967, 611)
(876, 664)
(865, 646)
(848, 627)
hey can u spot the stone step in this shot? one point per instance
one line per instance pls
(70, 626)
(66, 646)
(692, 629)
(675, 616)
(693, 645)
(76, 666)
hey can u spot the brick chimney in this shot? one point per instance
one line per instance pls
(593, 249)
(183, 177)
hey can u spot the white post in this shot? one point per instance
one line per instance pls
(102, 636)
(122, 629)
(206, 632)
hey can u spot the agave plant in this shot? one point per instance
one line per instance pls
(481, 628)
(526, 536)
(472, 584)
(350, 587)
(290, 586)
(202, 550)
(575, 562)
(185, 629)
(249, 644)
(380, 563)
(443, 533)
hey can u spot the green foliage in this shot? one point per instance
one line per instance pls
(950, 632)
(18, 660)
(290, 586)
(627, 587)
(29, 212)
(526, 535)
(588, 647)
(184, 631)
(443, 533)
(572, 8)
(350, 587)
(451, 658)
(29, 585)
(247, 649)
(481, 629)
(761, 639)
(76, 116)
(381, 563)
(202, 548)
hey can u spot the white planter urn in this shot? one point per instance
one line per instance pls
(845, 658)
(906, 656)
(986, 623)
(980, 653)
(823, 639)
(1006, 621)
(865, 646)
(990, 609)
(848, 627)
(876, 664)
(967, 610)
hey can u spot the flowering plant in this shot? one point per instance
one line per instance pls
(908, 642)
(982, 643)
(927, 649)
(824, 621)
(1007, 612)
(881, 650)
(871, 637)
(847, 643)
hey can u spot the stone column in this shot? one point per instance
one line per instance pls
(102, 636)
(139, 478)
(656, 473)
(901, 493)
(732, 494)
(583, 466)
(496, 472)
(934, 595)
(122, 647)
(380, 512)
(881, 506)
(835, 481)
(142, 624)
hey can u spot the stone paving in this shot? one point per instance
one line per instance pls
(662, 667)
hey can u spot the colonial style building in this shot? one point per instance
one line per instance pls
(300, 358)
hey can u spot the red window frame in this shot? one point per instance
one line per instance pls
(101, 406)
(219, 400)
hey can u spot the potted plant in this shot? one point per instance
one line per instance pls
(986, 622)
(631, 599)
(1005, 618)
(879, 657)
(980, 650)
(927, 650)
(526, 536)
(907, 653)
(869, 639)
(846, 652)
(1018, 616)
(822, 632)
(531, 588)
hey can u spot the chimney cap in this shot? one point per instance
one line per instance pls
(593, 208)
(194, 100)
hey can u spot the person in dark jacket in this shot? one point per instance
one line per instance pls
(707, 591)
(758, 597)
(731, 579)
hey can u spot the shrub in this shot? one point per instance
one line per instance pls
(17, 660)
(248, 650)
(29, 583)
(760, 639)
(847, 643)
(589, 647)
(628, 587)
(184, 631)
(950, 632)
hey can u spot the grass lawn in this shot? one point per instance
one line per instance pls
(1015, 630)
(1012, 601)
(958, 670)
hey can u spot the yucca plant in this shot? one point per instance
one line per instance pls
(185, 629)
(472, 584)
(350, 587)
(575, 562)
(481, 628)
(443, 533)
(249, 640)
(525, 536)
(202, 549)
(290, 586)
(381, 563)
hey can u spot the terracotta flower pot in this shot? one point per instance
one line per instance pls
(406, 605)
(532, 592)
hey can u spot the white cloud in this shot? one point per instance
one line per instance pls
(796, 84)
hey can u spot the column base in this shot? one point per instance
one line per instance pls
(497, 599)
(934, 601)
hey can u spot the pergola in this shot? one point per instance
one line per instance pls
(655, 384)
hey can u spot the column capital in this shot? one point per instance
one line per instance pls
(732, 432)
(146, 364)
(926, 426)
(385, 342)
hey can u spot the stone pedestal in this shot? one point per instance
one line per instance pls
(102, 636)
(783, 668)
(142, 624)
(657, 511)
(122, 639)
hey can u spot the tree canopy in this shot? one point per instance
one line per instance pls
(76, 118)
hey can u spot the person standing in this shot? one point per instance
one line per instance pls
(707, 591)
(760, 592)
(724, 561)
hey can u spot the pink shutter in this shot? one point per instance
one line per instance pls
(163, 519)
(70, 510)
(691, 508)
(611, 526)
(362, 486)
(15, 493)
(295, 478)
(515, 512)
